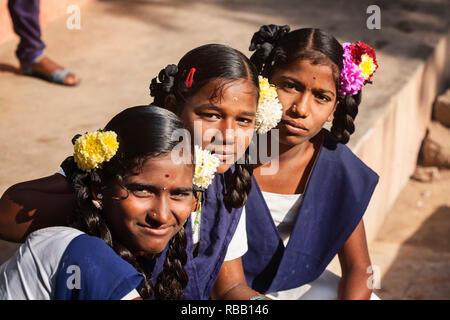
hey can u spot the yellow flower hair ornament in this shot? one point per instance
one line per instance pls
(94, 148)
(269, 110)
(205, 167)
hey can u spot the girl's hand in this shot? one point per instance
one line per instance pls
(231, 284)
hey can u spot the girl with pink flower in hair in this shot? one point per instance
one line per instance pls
(310, 210)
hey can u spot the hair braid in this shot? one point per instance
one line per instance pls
(344, 116)
(167, 81)
(147, 288)
(173, 279)
(88, 218)
(263, 43)
(240, 184)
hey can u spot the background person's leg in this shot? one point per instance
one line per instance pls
(25, 17)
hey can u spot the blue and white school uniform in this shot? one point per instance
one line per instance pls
(64, 263)
(293, 238)
(222, 236)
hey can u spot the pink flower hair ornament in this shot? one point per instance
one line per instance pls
(359, 65)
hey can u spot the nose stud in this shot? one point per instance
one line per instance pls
(300, 111)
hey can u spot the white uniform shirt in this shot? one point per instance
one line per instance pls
(284, 210)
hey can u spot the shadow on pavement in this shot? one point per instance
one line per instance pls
(421, 269)
(4, 67)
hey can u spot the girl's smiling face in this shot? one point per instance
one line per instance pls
(308, 95)
(222, 117)
(148, 208)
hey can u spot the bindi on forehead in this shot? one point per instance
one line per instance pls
(167, 175)
(235, 101)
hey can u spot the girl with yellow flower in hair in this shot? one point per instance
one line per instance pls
(132, 201)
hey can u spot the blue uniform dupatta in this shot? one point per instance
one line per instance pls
(336, 196)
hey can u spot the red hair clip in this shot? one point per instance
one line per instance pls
(190, 78)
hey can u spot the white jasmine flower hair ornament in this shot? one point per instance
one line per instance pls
(205, 167)
(269, 110)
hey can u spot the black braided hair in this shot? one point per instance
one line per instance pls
(211, 61)
(173, 279)
(160, 89)
(154, 127)
(275, 47)
(263, 43)
(237, 186)
(344, 116)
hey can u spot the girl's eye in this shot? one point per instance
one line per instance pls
(141, 193)
(245, 120)
(323, 98)
(180, 195)
(288, 85)
(213, 116)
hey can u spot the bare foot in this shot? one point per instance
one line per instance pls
(46, 67)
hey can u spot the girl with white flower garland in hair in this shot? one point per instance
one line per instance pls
(132, 200)
(312, 208)
(216, 88)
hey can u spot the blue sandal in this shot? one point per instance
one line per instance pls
(57, 76)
